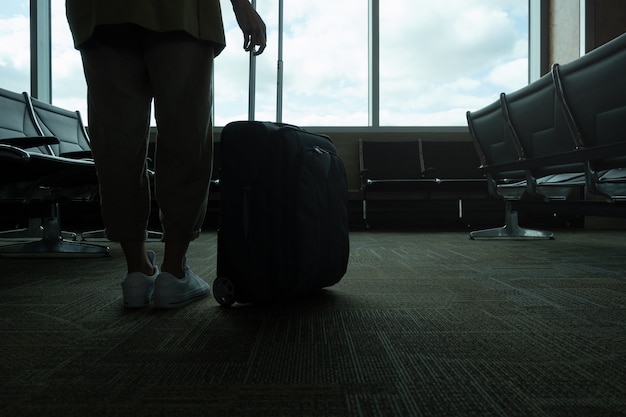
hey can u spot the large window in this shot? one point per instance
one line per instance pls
(437, 59)
(15, 45)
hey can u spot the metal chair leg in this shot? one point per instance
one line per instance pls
(511, 229)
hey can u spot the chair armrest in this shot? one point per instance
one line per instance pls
(12, 152)
(77, 155)
(27, 142)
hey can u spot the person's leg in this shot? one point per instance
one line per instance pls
(180, 71)
(137, 257)
(119, 98)
(174, 258)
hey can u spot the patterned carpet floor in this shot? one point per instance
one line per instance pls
(423, 324)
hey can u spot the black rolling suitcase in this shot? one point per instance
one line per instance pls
(283, 226)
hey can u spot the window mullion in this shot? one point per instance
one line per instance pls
(374, 63)
(40, 50)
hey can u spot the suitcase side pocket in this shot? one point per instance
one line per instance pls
(320, 219)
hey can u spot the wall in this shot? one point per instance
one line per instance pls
(604, 20)
(564, 31)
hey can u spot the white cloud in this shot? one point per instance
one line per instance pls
(511, 75)
(15, 45)
(15, 53)
(450, 41)
(438, 59)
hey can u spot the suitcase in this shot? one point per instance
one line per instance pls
(283, 223)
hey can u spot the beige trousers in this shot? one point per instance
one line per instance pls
(126, 67)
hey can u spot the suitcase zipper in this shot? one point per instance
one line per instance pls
(320, 151)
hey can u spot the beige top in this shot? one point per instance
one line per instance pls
(202, 19)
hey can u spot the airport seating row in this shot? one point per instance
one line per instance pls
(420, 170)
(45, 159)
(561, 139)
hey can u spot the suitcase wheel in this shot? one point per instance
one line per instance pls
(224, 291)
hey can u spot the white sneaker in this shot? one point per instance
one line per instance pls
(138, 288)
(173, 292)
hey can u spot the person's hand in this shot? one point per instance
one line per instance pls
(252, 26)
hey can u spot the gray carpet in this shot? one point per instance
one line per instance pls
(423, 324)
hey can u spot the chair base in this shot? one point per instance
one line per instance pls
(50, 247)
(32, 231)
(52, 242)
(511, 229)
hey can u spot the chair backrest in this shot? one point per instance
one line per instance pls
(537, 121)
(16, 120)
(493, 140)
(450, 159)
(67, 126)
(385, 160)
(593, 89)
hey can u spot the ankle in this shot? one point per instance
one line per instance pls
(177, 272)
(147, 269)
(174, 258)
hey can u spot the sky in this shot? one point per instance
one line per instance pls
(438, 59)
